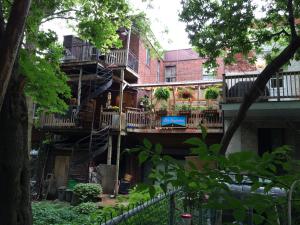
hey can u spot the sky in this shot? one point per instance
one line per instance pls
(163, 14)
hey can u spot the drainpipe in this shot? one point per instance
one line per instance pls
(79, 89)
(128, 46)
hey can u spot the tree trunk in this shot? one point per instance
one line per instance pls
(257, 88)
(15, 206)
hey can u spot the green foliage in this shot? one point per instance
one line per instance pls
(162, 93)
(212, 93)
(88, 192)
(225, 28)
(86, 208)
(145, 103)
(183, 107)
(48, 213)
(273, 169)
(52, 89)
(163, 106)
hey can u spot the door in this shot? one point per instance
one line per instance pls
(61, 169)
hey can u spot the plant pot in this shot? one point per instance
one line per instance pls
(69, 194)
(162, 112)
(75, 199)
(61, 193)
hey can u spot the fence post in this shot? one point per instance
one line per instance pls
(224, 88)
(277, 86)
(171, 209)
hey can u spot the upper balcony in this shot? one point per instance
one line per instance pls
(283, 86)
(78, 52)
(279, 101)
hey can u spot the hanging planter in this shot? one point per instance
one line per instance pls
(162, 93)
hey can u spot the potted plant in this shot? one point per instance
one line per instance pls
(185, 93)
(185, 110)
(162, 94)
(162, 110)
(144, 103)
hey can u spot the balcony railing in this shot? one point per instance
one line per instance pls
(57, 121)
(119, 57)
(86, 52)
(150, 120)
(283, 86)
(81, 53)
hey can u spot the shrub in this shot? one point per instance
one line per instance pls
(86, 208)
(212, 93)
(87, 192)
(162, 93)
(50, 213)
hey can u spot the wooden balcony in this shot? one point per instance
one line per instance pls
(150, 122)
(57, 121)
(85, 53)
(119, 58)
(283, 86)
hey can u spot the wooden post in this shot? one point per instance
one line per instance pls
(109, 152)
(277, 86)
(224, 88)
(79, 88)
(119, 133)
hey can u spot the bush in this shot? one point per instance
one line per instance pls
(162, 93)
(50, 213)
(212, 93)
(87, 192)
(86, 208)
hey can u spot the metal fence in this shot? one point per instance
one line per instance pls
(165, 209)
(168, 208)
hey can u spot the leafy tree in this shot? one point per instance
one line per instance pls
(227, 27)
(209, 186)
(29, 62)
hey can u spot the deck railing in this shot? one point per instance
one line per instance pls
(119, 57)
(81, 53)
(149, 120)
(57, 120)
(87, 52)
(283, 86)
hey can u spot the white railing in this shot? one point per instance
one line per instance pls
(118, 58)
(283, 86)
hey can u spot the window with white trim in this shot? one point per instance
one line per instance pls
(170, 73)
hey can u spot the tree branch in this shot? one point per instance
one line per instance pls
(11, 41)
(257, 88)
(58, 17)
(291, 18)
(2, 22)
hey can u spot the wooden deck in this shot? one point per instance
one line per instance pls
(140, 122)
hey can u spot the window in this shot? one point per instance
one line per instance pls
(148, 56)
(170, 73)
(208, 74)
(158, 71)
(274, 82)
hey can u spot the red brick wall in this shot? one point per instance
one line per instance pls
(186, 70)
